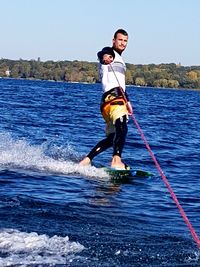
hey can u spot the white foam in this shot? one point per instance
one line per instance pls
(31, 248)
(20, 154)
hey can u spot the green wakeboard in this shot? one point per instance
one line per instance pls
(127, 174)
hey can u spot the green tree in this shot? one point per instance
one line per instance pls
(192, 75)
(173, 83)
(161, 83)
(140, 81)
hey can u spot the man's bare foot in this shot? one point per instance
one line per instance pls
(85, 161)
(117, 163)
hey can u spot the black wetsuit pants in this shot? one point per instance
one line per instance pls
(117, 139)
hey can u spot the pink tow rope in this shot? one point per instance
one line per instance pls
(194, 235)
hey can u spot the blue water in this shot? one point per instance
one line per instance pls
(55, 213)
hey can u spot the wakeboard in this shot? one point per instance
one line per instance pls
(127, 174)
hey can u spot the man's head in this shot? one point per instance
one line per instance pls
(120, 40)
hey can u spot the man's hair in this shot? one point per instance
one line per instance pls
(120, 31)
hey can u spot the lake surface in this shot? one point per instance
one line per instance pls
(55, 213)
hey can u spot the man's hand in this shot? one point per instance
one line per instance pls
(106, 55)
(107, 59)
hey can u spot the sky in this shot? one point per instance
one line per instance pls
(160, 31)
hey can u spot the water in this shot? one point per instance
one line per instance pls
(55, 213)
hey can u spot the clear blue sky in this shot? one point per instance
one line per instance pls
(160, 31)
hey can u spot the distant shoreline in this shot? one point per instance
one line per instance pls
(152, 75)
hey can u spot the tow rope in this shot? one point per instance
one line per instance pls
(173, 195)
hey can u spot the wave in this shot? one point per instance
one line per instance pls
(31, 248)
(19, 154)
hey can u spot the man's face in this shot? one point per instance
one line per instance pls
(120, 42)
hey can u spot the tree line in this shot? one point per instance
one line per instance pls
(154, 75)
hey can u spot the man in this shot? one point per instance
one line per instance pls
(115, 106)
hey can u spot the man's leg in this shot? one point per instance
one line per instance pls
(121, 130)
(99, 148)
